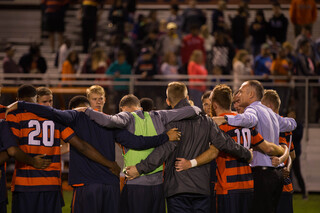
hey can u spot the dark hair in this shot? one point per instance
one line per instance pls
(303, 43)
(276, 4)
(129, 100)
(260, 13)
(77, 57)
(222, 95)
(257, 86)
(147, 104)
(76, 101)
(42, 91)
(34, 49)
(175, 7)
(26, 91)
(205, 95)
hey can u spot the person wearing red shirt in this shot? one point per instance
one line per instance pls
(196, 67)
(190, 43)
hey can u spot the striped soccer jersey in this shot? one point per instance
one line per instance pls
(233, 175)
(285, 139)
(37, 136)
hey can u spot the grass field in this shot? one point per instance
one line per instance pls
(312, 205)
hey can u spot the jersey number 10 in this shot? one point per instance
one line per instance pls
(47, 128)
(246, 135)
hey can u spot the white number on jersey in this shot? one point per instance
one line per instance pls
(47, 133)
(246, 135)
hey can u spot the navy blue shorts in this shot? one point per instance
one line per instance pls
(96, 197)
(213, 198)
(142, 199)
(188, 203)
(285, 204)
(37, 202)
(3, 207)
(235, 202)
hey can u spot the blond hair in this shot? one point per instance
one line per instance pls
(272, 98)
(176, 91)
(97, 89)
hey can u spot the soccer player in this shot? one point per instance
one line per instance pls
(97, 97)
(206, 103)
(144, 194)
(96, 189)
(267, 179)
(272, 100)
(44, 96)
(40, 190)
(234, 187)
(188, 191)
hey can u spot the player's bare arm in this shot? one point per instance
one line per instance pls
(38, 162)
(276, 161)
(206, 157)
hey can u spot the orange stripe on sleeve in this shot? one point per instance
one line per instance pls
(66, 133)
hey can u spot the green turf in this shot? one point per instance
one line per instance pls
(312, 205)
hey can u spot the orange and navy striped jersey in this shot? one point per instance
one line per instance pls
(285, 139)
(2, 111)
(234, 175)
(37, 136)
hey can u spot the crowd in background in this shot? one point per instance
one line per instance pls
(182, 44)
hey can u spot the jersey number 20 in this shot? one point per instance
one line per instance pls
(47, 127)
(246, 135)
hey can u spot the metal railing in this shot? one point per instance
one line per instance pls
(85, 80)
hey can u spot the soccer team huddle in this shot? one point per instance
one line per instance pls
(179, 160)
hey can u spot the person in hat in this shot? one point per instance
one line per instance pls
(170, 42)
(9, 65)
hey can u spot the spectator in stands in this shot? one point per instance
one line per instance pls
(275, 46)
(121, 44)
(147, 68)
(316, 49)
(305, 34)
(258, 31)
(54, 12)
(147, 104)
(9, 65)
(262, 62)
(241, 67)
(169, 43)
(196, 67)
(303, 13)
(116, 69)
(63, 53)
(208, 43)
(190, 43)
(281, 67)
(118, 16)
(96, 62)
(175, 17)
(222, 54)
(170, 65)
(192, 17)
(304, 67)
(218, 21)
(288, 48)
(239, 28)
(89, 19)
(33, 62)
(278, 24)
(70, 66)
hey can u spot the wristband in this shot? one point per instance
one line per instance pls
(193, 162)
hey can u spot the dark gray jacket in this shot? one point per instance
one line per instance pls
(197, 133)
